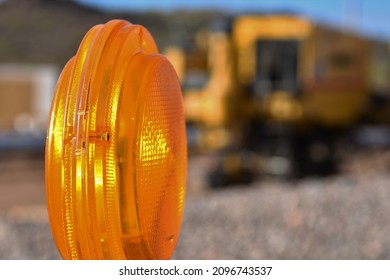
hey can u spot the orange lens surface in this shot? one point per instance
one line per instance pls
(116, 150)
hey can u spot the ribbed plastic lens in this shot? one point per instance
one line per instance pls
(116, 156)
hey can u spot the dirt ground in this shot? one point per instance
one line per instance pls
(21, 180)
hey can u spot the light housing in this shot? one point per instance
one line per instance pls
(116, 150)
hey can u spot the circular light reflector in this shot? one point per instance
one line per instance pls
(116, 150)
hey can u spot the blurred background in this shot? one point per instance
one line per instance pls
(288, 121)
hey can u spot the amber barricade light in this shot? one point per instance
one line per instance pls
(116, 150)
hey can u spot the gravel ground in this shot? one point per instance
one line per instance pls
(339, 217)
(26, 238)
(335, 218)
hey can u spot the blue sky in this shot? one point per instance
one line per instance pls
(367, 16)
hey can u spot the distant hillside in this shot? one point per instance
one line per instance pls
(49, 31)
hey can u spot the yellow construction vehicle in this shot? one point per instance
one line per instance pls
(278, 90)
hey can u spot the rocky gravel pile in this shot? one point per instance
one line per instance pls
(345, 216)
